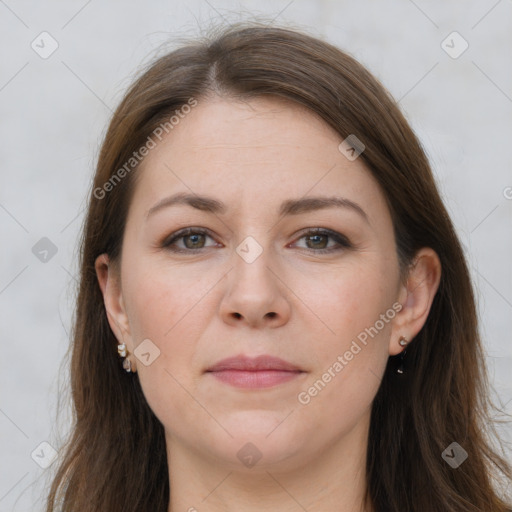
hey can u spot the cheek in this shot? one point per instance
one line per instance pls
(172, 307)
(164, 305)
(355, 307)
(160, 298)
(348, 300)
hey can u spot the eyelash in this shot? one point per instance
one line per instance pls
(341, 240)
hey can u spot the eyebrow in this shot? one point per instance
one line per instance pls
(288, 207)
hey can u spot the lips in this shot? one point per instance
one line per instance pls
(253, 364)
(254, 372)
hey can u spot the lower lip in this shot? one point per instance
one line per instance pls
(255, 379)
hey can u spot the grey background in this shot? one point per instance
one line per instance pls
(54, 112)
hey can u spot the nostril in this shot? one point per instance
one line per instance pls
(271, 314)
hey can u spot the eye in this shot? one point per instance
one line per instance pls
(317, 240)
(193, 239)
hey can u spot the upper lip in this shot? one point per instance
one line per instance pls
(259, 363)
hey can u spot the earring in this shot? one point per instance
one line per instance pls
(403, 341)
(127, 365)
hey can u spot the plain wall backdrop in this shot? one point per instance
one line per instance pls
(64, 68)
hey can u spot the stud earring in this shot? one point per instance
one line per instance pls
(403, 342)
(127, 365)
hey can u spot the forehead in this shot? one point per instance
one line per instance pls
(252, 152)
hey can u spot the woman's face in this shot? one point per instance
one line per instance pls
(250, 279)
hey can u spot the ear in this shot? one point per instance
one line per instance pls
(110, 285)
(416, 297)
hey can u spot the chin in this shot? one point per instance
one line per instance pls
(259, 443)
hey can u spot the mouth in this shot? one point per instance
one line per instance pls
(258, 372)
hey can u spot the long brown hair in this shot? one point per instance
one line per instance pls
(115, 458)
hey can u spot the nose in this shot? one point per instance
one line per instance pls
(256, 295)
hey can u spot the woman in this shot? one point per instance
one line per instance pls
(274, 308)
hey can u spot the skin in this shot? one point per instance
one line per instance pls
(208, 304)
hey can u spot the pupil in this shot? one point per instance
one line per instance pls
(315, 238)
(193, 238)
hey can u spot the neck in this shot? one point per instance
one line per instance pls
(333, 480)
